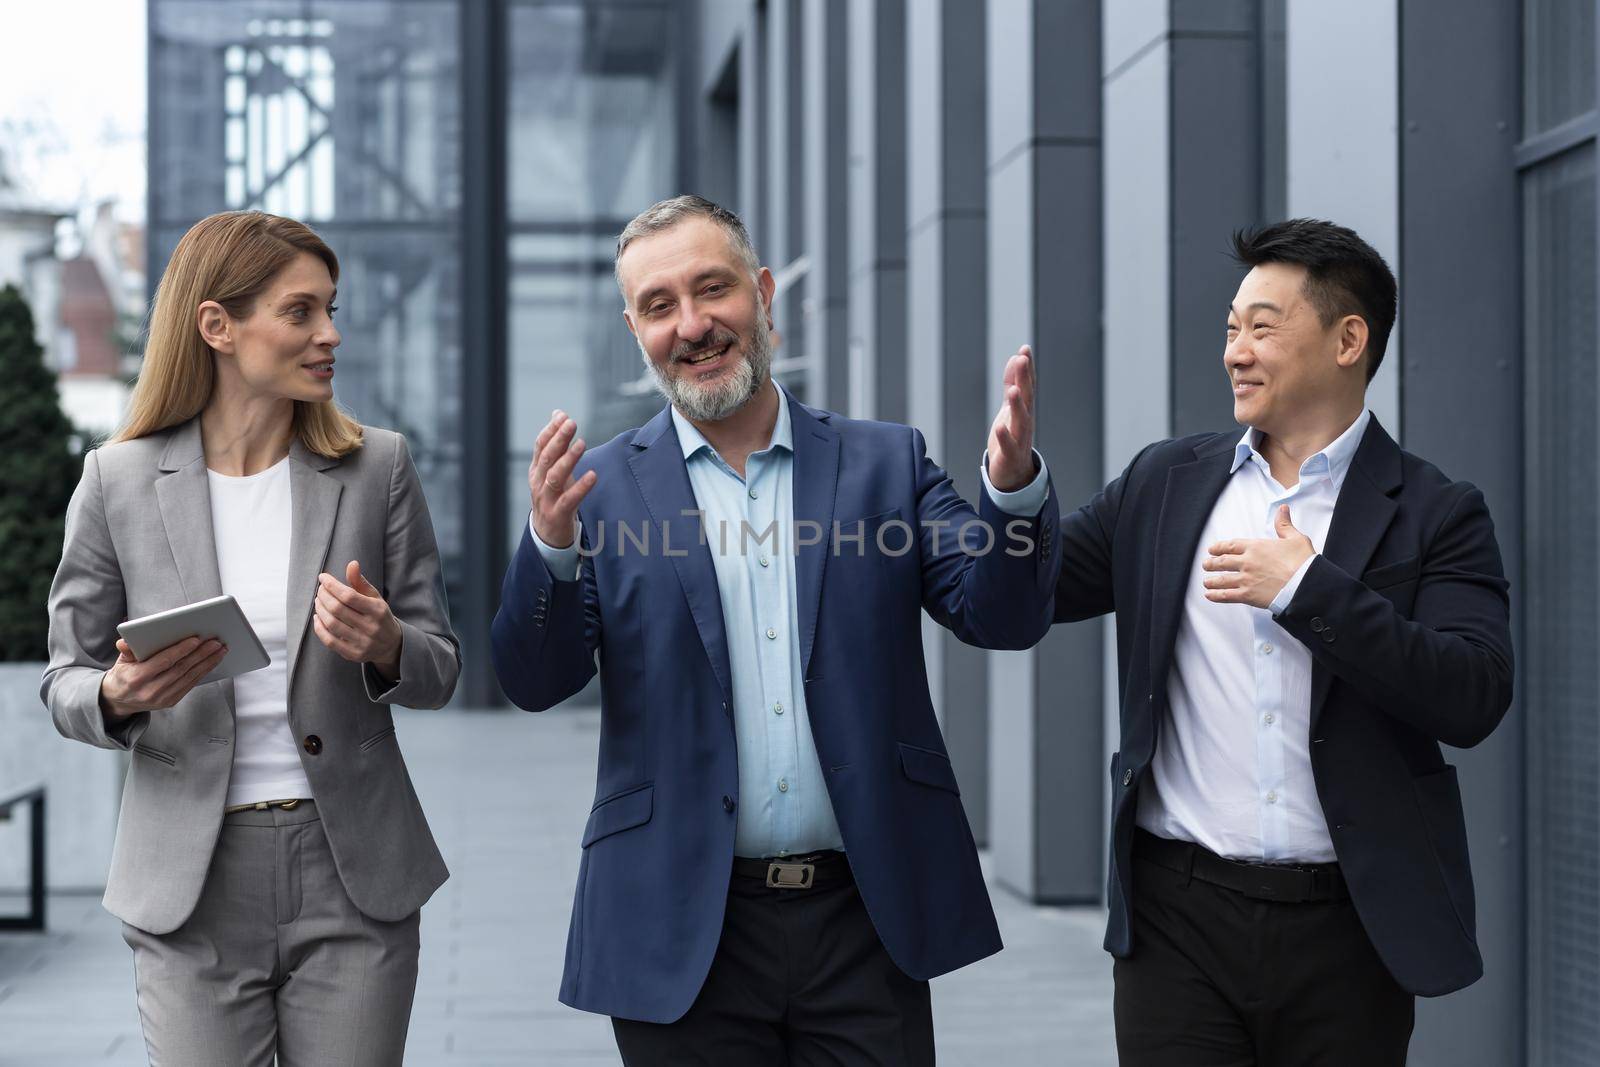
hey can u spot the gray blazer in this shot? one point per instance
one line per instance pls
(138, 541)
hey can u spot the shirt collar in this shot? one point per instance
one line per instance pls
(692, 440)
(1334, 461)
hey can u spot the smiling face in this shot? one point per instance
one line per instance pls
(702, 320)
(1284, 365)
(284, 346)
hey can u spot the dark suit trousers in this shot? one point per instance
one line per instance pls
(1219, 979)
(799, 979)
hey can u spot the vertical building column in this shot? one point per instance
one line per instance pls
(1343, 144)
(1460, 272)
(1137, 258)
(783, 216)
(826, 196)
(877, 217)
(1044, 173)
(753, 204)
(1214, 89)
(947, 326)
(484, 331)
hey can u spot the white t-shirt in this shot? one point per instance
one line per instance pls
(251, 521)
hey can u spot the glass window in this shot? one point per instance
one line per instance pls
(344, 114)
(592, 142)
(1558, 56)
(1562, 669)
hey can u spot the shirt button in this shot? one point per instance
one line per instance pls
(1272, 798)
(1266, 648)
(752, 494)
(1271, 718)
(783, 785)
(777, 707)
(772, 635)
(765, 561)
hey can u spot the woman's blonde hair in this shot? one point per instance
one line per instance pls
(230, 258)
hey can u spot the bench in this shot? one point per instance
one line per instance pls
(34, 919)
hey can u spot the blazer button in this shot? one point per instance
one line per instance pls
(313, 744)
(1317, 626)
(727, 803)
(1327, 635)
(1127, 776)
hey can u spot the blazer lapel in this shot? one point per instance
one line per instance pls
(1191, 492)
(314, 499)
(1361, 517)
(816, 478)
(183, 497)
(663, 481)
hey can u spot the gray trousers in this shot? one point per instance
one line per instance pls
(275, 960)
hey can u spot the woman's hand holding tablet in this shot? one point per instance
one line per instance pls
(161, 657)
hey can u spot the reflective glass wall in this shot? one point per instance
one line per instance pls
(343, 115)
(593, 140)
(350, 115)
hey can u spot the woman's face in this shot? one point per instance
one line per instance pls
(284, 347)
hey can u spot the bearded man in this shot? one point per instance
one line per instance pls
(777, 859)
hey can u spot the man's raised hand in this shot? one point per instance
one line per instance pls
(550, 483)
(1011, 437)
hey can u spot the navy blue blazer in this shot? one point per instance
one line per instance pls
(658, 847)
(1407, 616)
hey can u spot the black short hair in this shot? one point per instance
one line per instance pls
(1344, 274)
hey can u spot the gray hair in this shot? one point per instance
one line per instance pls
(666, 214)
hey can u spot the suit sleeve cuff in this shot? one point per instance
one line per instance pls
(1024, 502)
(563, 562)
(1280, 603)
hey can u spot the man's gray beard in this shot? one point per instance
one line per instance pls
(719, 399)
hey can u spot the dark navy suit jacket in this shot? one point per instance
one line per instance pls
(658, 847)
(1407, 616)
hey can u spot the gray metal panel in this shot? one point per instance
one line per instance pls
(1462, 389)
(946, 327)
(826, 196)
(1215, 189)
(1348, 171)
(484, 330)
(877, 216)
(752, 197)
(1045, 289)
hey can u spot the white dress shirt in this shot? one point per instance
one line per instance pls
(1232, 769)
(251, 522)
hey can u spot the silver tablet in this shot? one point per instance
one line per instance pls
(219, 617)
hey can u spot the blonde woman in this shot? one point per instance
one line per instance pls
(271, 857)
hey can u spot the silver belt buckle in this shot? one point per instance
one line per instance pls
(790, 875)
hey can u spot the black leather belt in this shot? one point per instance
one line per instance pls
(1285, 883)
(811, 871)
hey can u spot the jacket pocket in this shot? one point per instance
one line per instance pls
(620, 811)
(377, 738)
(1439, 800)
(156, 754)
(1393, 573)
(928, 767)
(862, 538)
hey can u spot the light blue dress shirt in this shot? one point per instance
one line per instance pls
(748, 522)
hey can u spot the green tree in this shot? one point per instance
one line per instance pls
(37, 473)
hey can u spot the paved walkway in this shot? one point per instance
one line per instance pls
(507, 795)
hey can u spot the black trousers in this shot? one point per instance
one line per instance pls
(799, 979)
(1218, 979)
